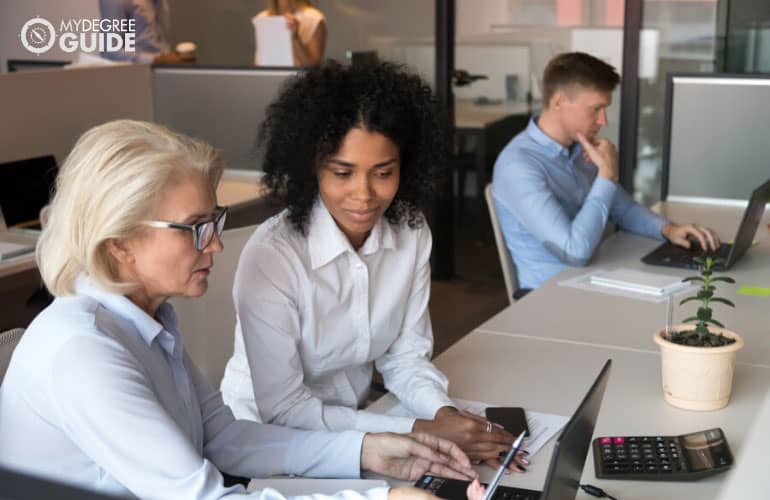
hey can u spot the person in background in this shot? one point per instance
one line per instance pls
(100, 392)
(152, 27)
(307, 27)
(340, 281)
(555, 185)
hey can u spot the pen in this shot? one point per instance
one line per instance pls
(508, 458)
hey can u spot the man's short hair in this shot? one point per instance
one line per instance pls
(579, 68)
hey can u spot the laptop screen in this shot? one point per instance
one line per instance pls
(25, 188)
(751, 219)
(571, 448)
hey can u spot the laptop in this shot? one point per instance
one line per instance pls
(25, 188)
(567, 461)
(672, 255)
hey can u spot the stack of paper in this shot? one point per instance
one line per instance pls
(638, 281)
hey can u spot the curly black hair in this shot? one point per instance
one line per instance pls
(306, 124)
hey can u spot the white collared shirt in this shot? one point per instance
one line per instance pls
(101, 395)
(313, 315)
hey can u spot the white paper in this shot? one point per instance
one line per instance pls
(542, 426)
(584, 282)
(638, 281)
(295, 486)
(10, 250)
(273, 40)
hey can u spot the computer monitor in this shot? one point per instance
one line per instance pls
(715, 144)
(222, 106)
(25, 188)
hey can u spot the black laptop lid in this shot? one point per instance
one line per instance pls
(25, 187)
(752, 216)
(571, 449)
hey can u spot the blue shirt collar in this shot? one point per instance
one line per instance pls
(165, 328)
(551, 145)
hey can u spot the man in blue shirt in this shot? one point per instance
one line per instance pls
(555, 184)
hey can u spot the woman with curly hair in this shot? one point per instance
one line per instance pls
(339, 281)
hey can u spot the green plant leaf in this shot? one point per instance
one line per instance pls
(698, 260)
(705, 294)
(722, 301)
(690, 319)
(718, 260)
(706, 272)
(715, 322)
(692, 278)
(688, 299)
(704, 313)
(726, 279)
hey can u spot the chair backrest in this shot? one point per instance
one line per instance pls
(506, 262)
(8, 341)
(207, 323)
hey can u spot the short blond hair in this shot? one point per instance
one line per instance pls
(109, 183)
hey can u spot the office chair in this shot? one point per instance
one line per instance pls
(8, 341)
(506, 261)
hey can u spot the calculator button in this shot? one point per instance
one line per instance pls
(606, 440)
(619, 440)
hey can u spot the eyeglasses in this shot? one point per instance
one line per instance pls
(203, 232)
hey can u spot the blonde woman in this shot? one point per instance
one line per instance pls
(306, 25)
(100, 392)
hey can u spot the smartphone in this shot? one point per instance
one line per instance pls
(513, 420)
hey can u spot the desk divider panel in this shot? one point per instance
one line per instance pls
(45, 112)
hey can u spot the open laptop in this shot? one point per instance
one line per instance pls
(25, 188)
(672, 255)
(567, 461)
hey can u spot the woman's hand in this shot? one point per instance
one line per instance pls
(409, 456)
(476, 436)
(291, 23)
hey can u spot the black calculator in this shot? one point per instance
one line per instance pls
(662, 458)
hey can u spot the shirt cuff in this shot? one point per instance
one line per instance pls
(367, 421)
(603, 189)
(378, 493)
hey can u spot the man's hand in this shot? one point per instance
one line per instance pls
(409, 456)
(602, 153)
(681, 235)
(480, 439)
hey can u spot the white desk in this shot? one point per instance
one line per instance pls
(553, 377)
(557, 312)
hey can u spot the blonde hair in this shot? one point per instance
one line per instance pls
(109, 183)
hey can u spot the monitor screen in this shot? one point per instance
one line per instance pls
(25, 188)
(717, 143)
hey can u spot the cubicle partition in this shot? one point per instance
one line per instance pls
(44, 112)
(715, 144)
(223, 106)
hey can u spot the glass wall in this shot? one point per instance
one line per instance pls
(677, 36)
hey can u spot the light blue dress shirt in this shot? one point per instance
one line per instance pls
(101, 395)
(553, 207)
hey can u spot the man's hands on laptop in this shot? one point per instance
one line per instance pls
(482, 440)
(602, 153)
(684, 235)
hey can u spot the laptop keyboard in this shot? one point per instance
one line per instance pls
(681, 255)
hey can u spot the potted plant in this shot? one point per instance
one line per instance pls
(697, 363)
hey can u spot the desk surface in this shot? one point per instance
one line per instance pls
(472, 116)
(553, 376)
(558, 312)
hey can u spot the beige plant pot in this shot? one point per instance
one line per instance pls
(697, 378)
